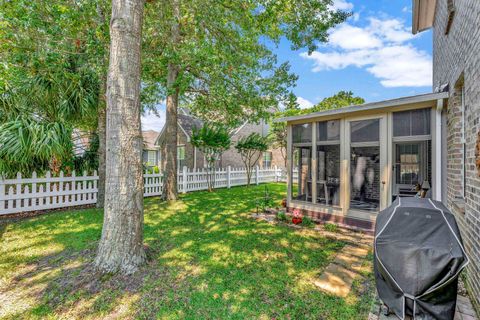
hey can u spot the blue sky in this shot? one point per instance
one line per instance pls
(372, 54)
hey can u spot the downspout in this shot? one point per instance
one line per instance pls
(439, 153)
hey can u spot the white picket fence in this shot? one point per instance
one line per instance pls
(41, 193)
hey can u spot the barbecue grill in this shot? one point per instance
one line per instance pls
(419, 255)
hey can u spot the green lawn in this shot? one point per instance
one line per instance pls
(207, 260)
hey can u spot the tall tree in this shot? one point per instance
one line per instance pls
(215, 60)
(65, 43)
(339, 100)
(121, 244)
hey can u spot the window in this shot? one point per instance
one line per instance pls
(302, 133)
(411, 123)
(302, 173)
(365, 130)
(328, 162)
(412, 149)
(267, 159)
(408, 163)
(328, 130)
(180, 157)
(151, 158)
(365, 165)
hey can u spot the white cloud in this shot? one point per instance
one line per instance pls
(402, 66)
(391, 30)
(382, 47)
(342, 5)
(151, 121)
(350, 37)
(304, 103)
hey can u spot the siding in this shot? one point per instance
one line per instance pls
(456, 61)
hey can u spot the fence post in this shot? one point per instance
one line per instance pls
(256, 175)
(228, 177)
(2, 194)
(276, 173)
(184, 177)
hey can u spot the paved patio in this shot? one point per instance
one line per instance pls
(464, 311)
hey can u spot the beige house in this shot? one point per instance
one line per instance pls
(346, 165)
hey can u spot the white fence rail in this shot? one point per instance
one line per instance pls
(41, 193)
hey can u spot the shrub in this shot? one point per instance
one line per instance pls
(281, 216)
(330, 227)
(307, 222)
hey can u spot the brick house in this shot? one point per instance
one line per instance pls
(151, 152)
(352, 162)
(192, 158)
(456, 66)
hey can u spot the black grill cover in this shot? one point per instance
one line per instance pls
(418, 257)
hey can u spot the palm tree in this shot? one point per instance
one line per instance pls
(38, 113)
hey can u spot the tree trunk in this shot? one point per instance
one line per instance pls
(121, 244)
(283, 150)
(101, 121)
(101, 133)
(169, 191)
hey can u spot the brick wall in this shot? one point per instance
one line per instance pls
(189, 151)
(230, 157)
(456, 61)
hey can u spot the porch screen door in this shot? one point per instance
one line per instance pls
(367, 158)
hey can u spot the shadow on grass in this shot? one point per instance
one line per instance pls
(208, 259)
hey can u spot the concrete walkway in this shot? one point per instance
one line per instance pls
(338, 277)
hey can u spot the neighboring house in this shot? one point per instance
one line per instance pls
(353, 162)
(192, 158)
(456, 66)
(151, 153)
(81, 142)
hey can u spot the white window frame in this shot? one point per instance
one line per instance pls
(267, 163)
(178, 156)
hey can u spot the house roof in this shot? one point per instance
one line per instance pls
(149, 138)
(370, 106)
(423, 15)
(188, 123)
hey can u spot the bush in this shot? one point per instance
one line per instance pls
(281, 216)
(307, 222)
(330, 227)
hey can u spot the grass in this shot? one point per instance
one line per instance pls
(207, 260)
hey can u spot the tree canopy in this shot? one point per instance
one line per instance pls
(52, 56)
(212, 140)
(250, 149)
